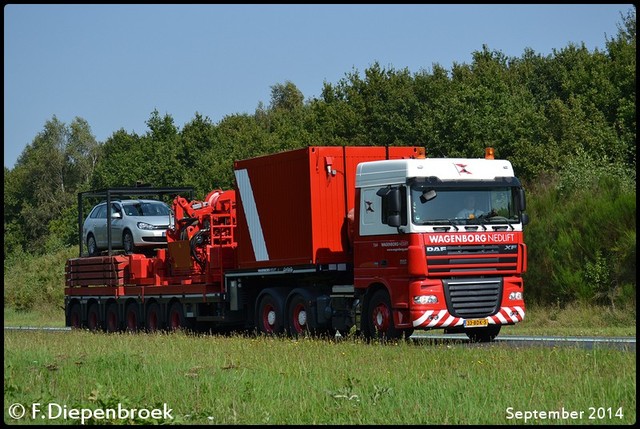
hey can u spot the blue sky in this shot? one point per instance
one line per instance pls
(114, 64)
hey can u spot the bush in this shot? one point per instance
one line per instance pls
(34, 281)
(581, 239)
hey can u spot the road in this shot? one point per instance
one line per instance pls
(589, 343)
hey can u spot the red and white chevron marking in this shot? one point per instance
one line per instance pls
(444, 319)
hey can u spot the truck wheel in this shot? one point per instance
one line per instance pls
(483, 335)
(75, 319)
(298, 316)
(378, 323)
(132, 317)
(112, 321)
(270, 315)
(176, 319)
(93, 317)
(154, 321)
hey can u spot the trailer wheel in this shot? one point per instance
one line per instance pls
(378, 323)
(132, 317)
(270, 314)
(112, 321)
(483, 335)
(93, 317)
(298, 316)
(75, 318)
(176, 319)
(153, 321)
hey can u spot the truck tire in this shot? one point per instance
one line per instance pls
(153, 321)
(270, 315)
(75, 316)
(132, 317)
(378, 322)
(93, 317)
(175, 318)
(483, 335)
(112, 321)
(299, 317)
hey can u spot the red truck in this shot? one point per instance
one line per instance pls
(325, 240)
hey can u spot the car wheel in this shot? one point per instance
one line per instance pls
(127, 242)
(91, 245)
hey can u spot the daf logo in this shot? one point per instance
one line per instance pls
(510, 247)
(437, 249)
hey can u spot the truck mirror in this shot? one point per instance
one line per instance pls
(522, 203)
(394, 207)
(394, 200)
(525, 219)
(428, 195)
(394, 220)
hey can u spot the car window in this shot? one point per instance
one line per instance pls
(100, 212)
(146, 209)
(154, 209)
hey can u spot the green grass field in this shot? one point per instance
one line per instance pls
(258, 380)
(206, 379)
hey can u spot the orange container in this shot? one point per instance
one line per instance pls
(292, 206)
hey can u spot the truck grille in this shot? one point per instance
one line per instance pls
(490, 259)
(473, 297)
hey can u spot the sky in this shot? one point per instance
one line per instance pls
(113, 65)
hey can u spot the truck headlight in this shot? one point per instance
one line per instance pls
(515, 296)
(425, 299)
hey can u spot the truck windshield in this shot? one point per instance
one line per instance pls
(463, 206)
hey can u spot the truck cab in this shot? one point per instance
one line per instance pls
(439, 244)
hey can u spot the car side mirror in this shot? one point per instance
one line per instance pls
(116, 215)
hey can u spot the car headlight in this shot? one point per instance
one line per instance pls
(144, 225)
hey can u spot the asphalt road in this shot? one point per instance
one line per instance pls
(620, 343)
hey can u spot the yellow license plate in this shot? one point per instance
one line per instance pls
(473, 323)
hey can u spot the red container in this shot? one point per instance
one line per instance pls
(292, 206)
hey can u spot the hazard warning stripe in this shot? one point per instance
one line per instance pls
(444, 319)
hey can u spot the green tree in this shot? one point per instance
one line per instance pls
(42, 186)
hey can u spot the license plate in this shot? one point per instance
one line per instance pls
(474, 323)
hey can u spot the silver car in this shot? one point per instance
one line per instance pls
(136, 225)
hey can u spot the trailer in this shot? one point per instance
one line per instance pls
(325, 240)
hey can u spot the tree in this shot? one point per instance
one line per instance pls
(286, 96)
(43, 184)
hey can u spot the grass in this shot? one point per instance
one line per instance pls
(261, 380)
